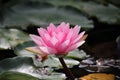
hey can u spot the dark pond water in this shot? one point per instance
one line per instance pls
(91, 65)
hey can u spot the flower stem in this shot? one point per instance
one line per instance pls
(67, 71)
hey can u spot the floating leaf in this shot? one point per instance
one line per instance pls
(63, 3)
(20, 49)
(109, 14)
(4, 44)
(16, 76)
(14, 64)
(77, 54)
(24, 67)
(54, 62)
(9, 38)
(115, 2)
(104, 13)
(42, 13)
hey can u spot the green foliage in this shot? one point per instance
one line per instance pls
(23, 68)
(77, 54)
(54, 62)
(14, 64)
(20, 49)
(104, 13)
(42, 14)
(114, 2)
(9, 38)
(16, 76)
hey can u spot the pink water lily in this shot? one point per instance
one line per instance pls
(58, 40)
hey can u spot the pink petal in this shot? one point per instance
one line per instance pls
(51, 28)
(37, 40)
(76, 29)
(63, 27)
(62, 24)
(59, 27)
(47, 37)
(70, 34)
(54, 34)
(66, 28)
(60, 36)
(75, 46)
(44, 35)
(48, 50)
(62, 47)
(65, 44)
(35, 50)
(41, 32)
(44, 49)
(47, 40)
(79, 37)
(54, 41)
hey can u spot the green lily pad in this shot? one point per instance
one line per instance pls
(9, 38)
(109, 14)
(53, 61)
(104, 13)
(14, 64)
(20, 49)
(43, 14)
(9, 75)
(24, 67)
(77, 54)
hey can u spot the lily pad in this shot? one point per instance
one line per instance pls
(104, 13)
(109, 14)
(43, 14)
(24, 67)
(16, 76)
(9, 38)
(20, 49)
(14, 64)
(77, 54)
(53, 61)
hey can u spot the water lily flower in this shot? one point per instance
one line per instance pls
(58, 40)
